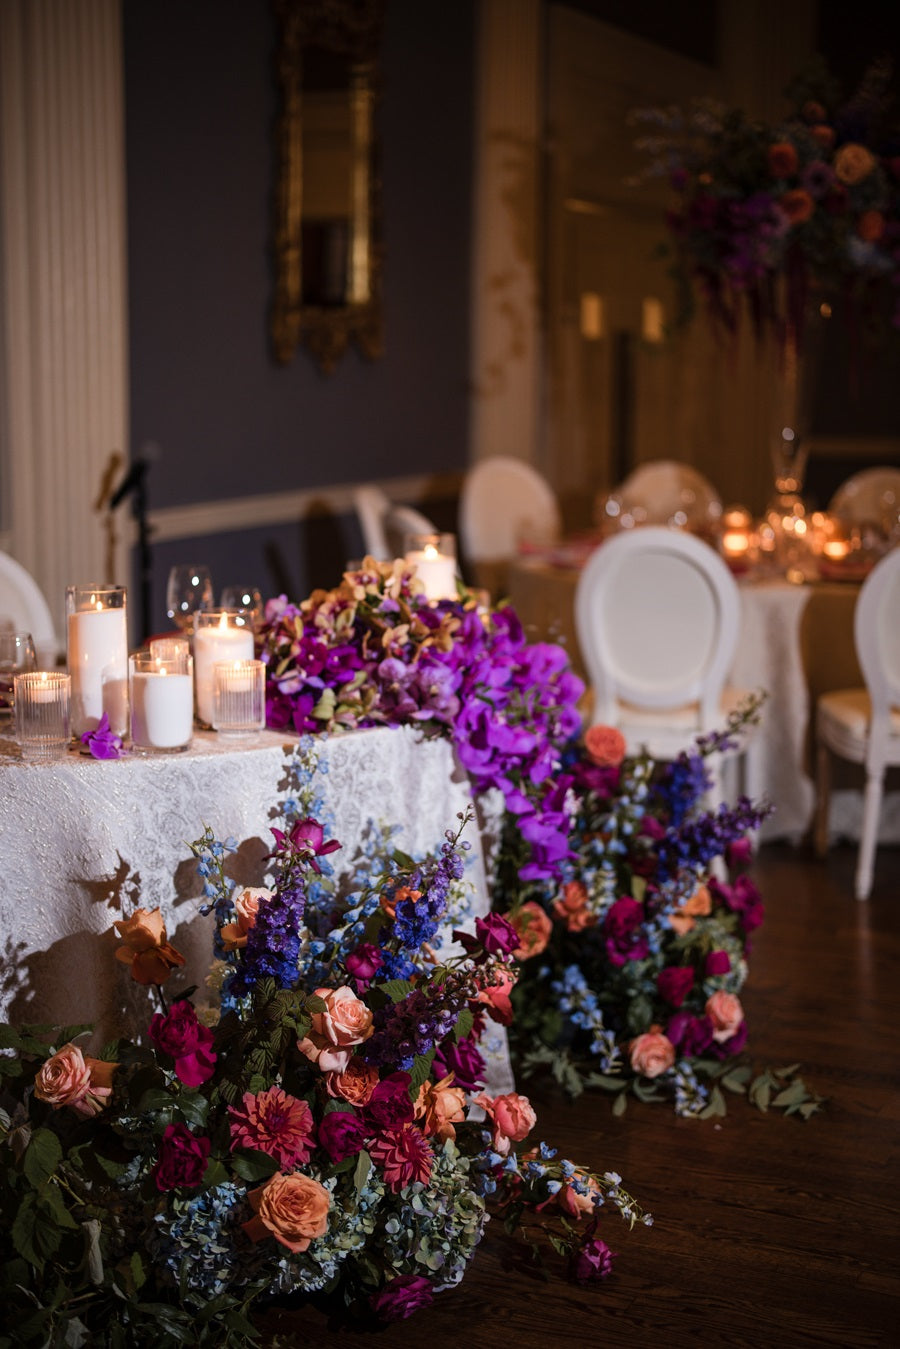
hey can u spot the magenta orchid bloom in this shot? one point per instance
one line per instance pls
(305, 839)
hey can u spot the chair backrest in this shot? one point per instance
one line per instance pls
(372, 505)
(24, 609)
(503, 502)
(400, 522)
(666, 492)
(873, 494)
(876, 630)
(657, 614)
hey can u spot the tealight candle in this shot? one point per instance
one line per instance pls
(162, 701)
(433, 558)
(219, 635)
(835, 550)
(240, 696)
(42, 699)
(97, 656)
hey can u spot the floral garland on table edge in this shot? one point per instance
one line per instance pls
(633, 962)
(766, 216)
(312, 1133)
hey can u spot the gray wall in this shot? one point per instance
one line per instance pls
(228, 421)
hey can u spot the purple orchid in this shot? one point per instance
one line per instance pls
(102, 742)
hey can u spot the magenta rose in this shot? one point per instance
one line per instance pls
(592, 1261)
(690, 1035)
(674, 983)
(723, 1049)
(742, 898)
(402, 1296)
(363, 964)
(182, 1159)
(180, 1035)
(621, 927)
(739, 852)
(496, 934)
(390, 1105)
(464, 1060)
(342, 1134)
(716, 963)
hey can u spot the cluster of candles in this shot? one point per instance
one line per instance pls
(151, 697)
(747, 543)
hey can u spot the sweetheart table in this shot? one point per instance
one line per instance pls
(82, 838)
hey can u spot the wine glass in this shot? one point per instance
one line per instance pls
(189, 588)
(245, 597)
(16, 656)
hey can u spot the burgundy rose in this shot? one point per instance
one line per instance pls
(180, 1035)
(621, 927)
(390, 1105)
(742, 898)
(739, 852)
(674, 983)
(723, 1049)
(717, 962)
(363, 964)
(494, 934)
(182, 1159)
(690, 1035)
(464, 1060)
(592, 1261)
(342, 1134)
(402, 1296)
(651, 827)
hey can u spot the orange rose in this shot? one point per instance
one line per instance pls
(573, 907)
(605, 746)
(699, 905)
(68, 1078)
(246, 907)
(870, 226)
(389, 902)
(797, 205)
(782, 159)
(293, 1209)
(853, 163)
(512, 1119)
(439, 1106)
(726, 1013)
(823, 135)
(355, 1084)
(573, 1201)
(534, 927)
(652, 1053)
(146, 949)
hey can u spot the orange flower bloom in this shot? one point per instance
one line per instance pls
(573, 907)
(699, 904)
(797, 205)
(782, 159)
(146, 949)
(389, 902)
(534, 927)
(605, 746)
(440, 1105)
(870, 226)
(853, 163)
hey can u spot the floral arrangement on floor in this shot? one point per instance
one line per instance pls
(374, 651)
(317, 1125)
(768, 215)
(633, 962)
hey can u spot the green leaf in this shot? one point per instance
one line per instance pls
(619, 1104)
(638, 888)
(9, 1037)
(252, 1165)
(464, 1023)
(35, 1235)
(193, 1107)
(361, 1170)
(420, 1071)
(761, 1092)
(403, 860)
(794, 1094)
(43, 1155)
(137, 1271)
(215, 1174)
(716, 1105)
(50, 1201)
(396, 989)
(153, 1100)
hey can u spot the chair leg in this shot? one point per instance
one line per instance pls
(871, 810)
(823, 794)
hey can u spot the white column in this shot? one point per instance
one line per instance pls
(506, 384)
(63, 322)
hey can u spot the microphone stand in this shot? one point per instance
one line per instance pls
(134, 485)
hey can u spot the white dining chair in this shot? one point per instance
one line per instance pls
(402, 521)
(871, 496)
(372, 505)
(666, 492)
(863, 724)
(24, 609)
(657, 614)
(505, 501)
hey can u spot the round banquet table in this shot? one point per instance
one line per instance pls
(82, 839)
(795, 641)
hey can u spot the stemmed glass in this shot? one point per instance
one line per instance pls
(245, 597)
(189, 588)
(16, 656)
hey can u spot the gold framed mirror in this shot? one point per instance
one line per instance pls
(327, 245)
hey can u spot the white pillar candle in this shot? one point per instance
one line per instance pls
(97, 648)
(433, 558)
(162, 703)
(217, 637)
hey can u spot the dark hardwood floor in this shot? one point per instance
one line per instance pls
(768, 1231)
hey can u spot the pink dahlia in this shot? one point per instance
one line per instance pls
(273, 1122)
(404, 1155)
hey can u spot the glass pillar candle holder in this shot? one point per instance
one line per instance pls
(97, 656)
(240, 697)
(219, 635)
(162, 702)
(16, 657)
(42, 704)
(170, 648)
(433, 558)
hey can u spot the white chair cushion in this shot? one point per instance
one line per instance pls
(847, 711)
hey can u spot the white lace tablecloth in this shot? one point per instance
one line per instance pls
(81, 838)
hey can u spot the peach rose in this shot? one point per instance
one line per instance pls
(853, 163)
(823, 135)
(573, 907)
(389, 902)
(797, 205)
(68, 1078)
(146, 949)
(246, 907)
(355, 1084)
(726, 1014)
(440, 1105)
(512, 1119)
(534, 927)
(346, 1019)
(575, 1203)
(293, 1209)
(782, 159)
(652, 1053)
(495, 995)
(605, 746)
(698, 906)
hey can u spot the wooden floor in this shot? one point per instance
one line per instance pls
(768, 1231)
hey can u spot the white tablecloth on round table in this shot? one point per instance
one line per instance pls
(81, 838)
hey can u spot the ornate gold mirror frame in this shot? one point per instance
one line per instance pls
(327, 246)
